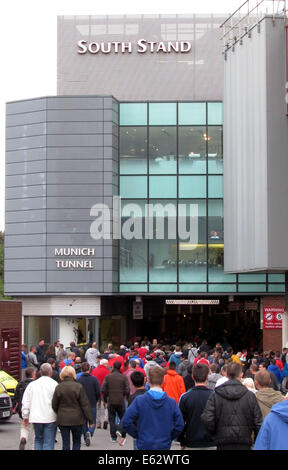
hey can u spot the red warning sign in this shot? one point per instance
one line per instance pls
(272, 317)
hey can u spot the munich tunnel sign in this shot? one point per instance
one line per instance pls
(272, 317)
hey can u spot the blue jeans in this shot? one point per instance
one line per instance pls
(76, 436)
(85, 425)
(45, 434)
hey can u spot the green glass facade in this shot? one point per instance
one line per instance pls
(172, 153)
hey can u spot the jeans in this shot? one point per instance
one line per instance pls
(76, 436)
(114, 410)
(85, 425)
(44, 436)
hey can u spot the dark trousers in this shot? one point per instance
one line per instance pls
(76, 437)
(114, 410)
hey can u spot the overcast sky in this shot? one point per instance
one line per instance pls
(28, 39)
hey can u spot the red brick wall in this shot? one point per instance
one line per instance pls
(272, 339)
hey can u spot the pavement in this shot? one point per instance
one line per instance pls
(10, 438)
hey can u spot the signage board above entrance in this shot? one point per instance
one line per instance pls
(140, 47)
(192, 302)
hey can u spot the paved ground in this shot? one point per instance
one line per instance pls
(10, 432)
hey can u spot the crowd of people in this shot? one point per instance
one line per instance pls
(200, 396)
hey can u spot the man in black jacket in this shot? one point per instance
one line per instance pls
(192, 404)
(232, 413)
(92, 388)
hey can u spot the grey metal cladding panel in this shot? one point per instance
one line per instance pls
(35, 287)
(25, 265)
(26, 142)
(28, 252)
(69, 227)
(25, 204)
(74, 165)
(93, 189)
(61, 215)
(24, 276)
(26, 131)
(81, 177)
(25, 240)
(26, 167)
(72, 202)
(21, 228)
(72, 102)
(72, 240)
(76, 115)
(72, 140)
(26, 191)
(26, 118)
(66, 153)
(35, 179)
(19, 156)
(26, 106)
(75, 287)
(98, 252)
(75, 127)
(38, 215)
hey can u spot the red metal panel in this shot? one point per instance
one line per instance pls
(10, 352)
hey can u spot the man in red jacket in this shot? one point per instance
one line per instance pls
(115, 358)
(100, 373)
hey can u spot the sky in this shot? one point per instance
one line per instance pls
(28, 38)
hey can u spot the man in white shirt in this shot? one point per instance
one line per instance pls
(224, 377)
(37, 409)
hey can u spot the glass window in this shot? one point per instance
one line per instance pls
(192, 187)
(276, 277)
(133, 260)
(162, 150)
(251, 277)
(133, 150)
(252, 288)
(162, 260)
(215, 149)
(192, 287)
(215, 186)
(276, 288)
(133, 114)
(216, 244)
(215, 113)
(192, 114)
(193, 252)
(162, 287)
(192, 149)
(162, 114)
(162, 186)
(133, 186)
(222, 288)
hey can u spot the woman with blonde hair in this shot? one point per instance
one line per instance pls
(72, 406)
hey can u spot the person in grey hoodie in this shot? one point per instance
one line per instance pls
(91, 355)
(213, 377)
(266, 396)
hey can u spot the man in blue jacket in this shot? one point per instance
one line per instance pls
(159, 420)
(92, 388)
(274, 430)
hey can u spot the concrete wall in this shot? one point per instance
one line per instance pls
(255, 152)
(61, 159)
(197, 75)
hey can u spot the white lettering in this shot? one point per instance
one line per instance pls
(161, 47)
(185, 46)
(142, 46)
(94, 48)
(82, 46)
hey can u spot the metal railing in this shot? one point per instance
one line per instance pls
(247, 16)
